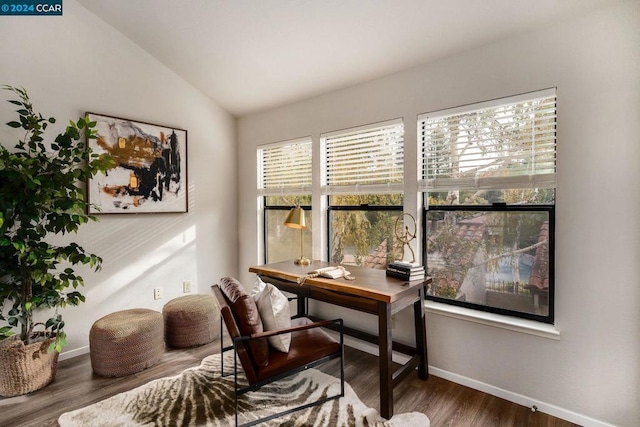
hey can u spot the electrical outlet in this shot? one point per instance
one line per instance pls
(186, 286)
(157, 293)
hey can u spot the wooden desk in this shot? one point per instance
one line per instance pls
(371, 292)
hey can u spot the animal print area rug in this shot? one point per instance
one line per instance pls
(201, 397)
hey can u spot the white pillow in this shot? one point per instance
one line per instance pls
(274, 311)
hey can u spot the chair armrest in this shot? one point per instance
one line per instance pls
(265, 334)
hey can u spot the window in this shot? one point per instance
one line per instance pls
(361, 229)
(284, 180)
(488, 174)
(363, 173)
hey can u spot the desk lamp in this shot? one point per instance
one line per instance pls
(295, 220)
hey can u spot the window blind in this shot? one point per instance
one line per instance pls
(502, 144)
(367, 159)
(285, 168)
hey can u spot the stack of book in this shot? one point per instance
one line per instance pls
(405, 271)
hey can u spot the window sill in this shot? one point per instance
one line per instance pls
(496, 320)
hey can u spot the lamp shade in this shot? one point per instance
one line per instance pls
(295, 219)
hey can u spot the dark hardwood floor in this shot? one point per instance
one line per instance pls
(444, 402)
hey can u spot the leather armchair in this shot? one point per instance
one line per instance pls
(310, 346)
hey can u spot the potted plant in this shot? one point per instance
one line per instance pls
(40, 195)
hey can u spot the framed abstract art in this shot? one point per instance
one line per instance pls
(150, 175)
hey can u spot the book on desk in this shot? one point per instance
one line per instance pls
(405, 271)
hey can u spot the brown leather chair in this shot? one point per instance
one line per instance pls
(310, 346)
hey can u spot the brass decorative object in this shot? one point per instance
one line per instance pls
(406, 236)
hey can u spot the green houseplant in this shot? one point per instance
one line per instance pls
(40, 195)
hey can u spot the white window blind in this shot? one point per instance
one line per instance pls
(502, 144)
(367, 159)
(285, 168)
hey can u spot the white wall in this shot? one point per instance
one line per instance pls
(77, 63)
(592, 374)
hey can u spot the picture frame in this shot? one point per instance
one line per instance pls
(150, 175)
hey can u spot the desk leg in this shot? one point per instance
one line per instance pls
(421, 336)
(386, 369)
(302, 306)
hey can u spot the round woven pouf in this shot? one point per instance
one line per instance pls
(126, 342)
(191, 320)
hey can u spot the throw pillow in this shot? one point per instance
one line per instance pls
(274, 311)
(248, 317)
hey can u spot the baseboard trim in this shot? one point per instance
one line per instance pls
(74, 353)
(520, 399)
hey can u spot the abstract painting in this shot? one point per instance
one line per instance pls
(150, 174)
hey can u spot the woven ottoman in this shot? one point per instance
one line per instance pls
(126, 342)
(191, 320)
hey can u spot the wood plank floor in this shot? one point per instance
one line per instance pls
(444, 402)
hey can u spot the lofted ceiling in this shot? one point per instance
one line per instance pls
(251, 55)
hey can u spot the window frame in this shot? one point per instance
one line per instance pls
(393, 165)
(536, 179)
(499, 207)
(267, 208)
(301, 187)
(355, 208)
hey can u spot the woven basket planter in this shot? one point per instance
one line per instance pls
(26, 368)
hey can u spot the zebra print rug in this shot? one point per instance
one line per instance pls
(201, 397)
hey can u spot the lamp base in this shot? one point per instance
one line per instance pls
(302, 261)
